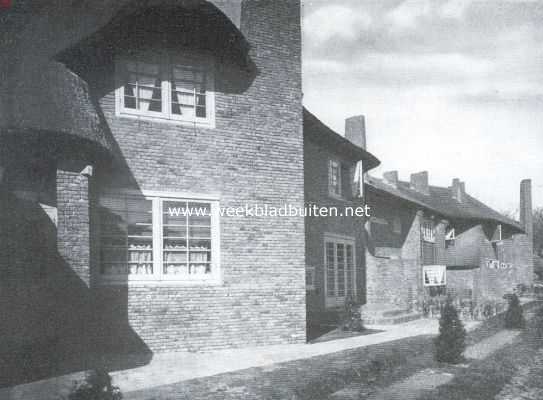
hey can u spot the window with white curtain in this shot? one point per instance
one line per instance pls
(151, 237)
(166, 87)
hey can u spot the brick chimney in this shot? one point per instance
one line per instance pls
(355, 130)
(419, 182)
(458, 190)
(526, 219)
(391, 177)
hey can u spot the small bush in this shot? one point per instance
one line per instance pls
(353, 318)
(451, 341)
(539, 324)
(97, 386)
(514, 318)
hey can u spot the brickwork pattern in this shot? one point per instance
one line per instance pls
(254, 155)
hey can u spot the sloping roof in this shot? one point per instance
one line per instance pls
(39, 96)
(440, 201)
(318, 132)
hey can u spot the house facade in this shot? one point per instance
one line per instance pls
(151, 125)
(426, 241)
(334, 166)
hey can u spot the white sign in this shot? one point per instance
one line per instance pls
(434, 275)
(496, 264)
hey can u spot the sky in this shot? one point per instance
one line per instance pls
(454, 87)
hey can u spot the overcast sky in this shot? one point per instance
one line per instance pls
(454, 87)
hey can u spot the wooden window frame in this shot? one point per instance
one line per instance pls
(335, 164)
(158, 276)
(339, 301)
(428, 231)
(165, 63)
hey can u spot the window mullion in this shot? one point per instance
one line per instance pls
(166, 86)
(336, 280)
(187, 235)
(157, 237)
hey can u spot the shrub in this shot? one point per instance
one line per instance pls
(451, 341)
(353, 318)
(97, 386)
(514, 318)
(539, 324)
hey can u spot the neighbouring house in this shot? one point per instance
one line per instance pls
(334, 166)
(116, 122)
(425, 241)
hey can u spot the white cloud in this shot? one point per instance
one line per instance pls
(407, 13)
(454, 8)
(339, 21)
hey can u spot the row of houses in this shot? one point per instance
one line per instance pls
(108, 121)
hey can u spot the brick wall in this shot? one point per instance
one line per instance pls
(473, 248)
(73, 229)
(393, 269)
(316, 159)
(254, 155)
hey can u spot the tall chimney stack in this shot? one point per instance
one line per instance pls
(458, 190)
(526, 218)
(355, 130)
(419, 182)
(391, 177)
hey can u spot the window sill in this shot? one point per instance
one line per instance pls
(158, 283)
(203, 123)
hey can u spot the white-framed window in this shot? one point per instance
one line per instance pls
(358, 180)
(162, 86)
(334, 178)
(450, 237)
(154, 237)
(340, 269)
(428, 231)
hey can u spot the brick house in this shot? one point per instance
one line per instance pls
(335, 244)
(426, 240)
(158, 106)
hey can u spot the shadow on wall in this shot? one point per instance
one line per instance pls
(50, 325)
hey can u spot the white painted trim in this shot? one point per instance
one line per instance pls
(337, 301)
(157, 198)
(165, 61)
(166, 194)
(331, 193)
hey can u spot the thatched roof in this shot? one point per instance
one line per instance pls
(42, 97)
(318, 132)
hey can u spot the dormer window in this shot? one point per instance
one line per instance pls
(166, 87)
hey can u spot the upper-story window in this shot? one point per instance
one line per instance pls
(428, 232)
(334, 178)
(167, 87)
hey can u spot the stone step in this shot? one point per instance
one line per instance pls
(394, 313)
(391, 320)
